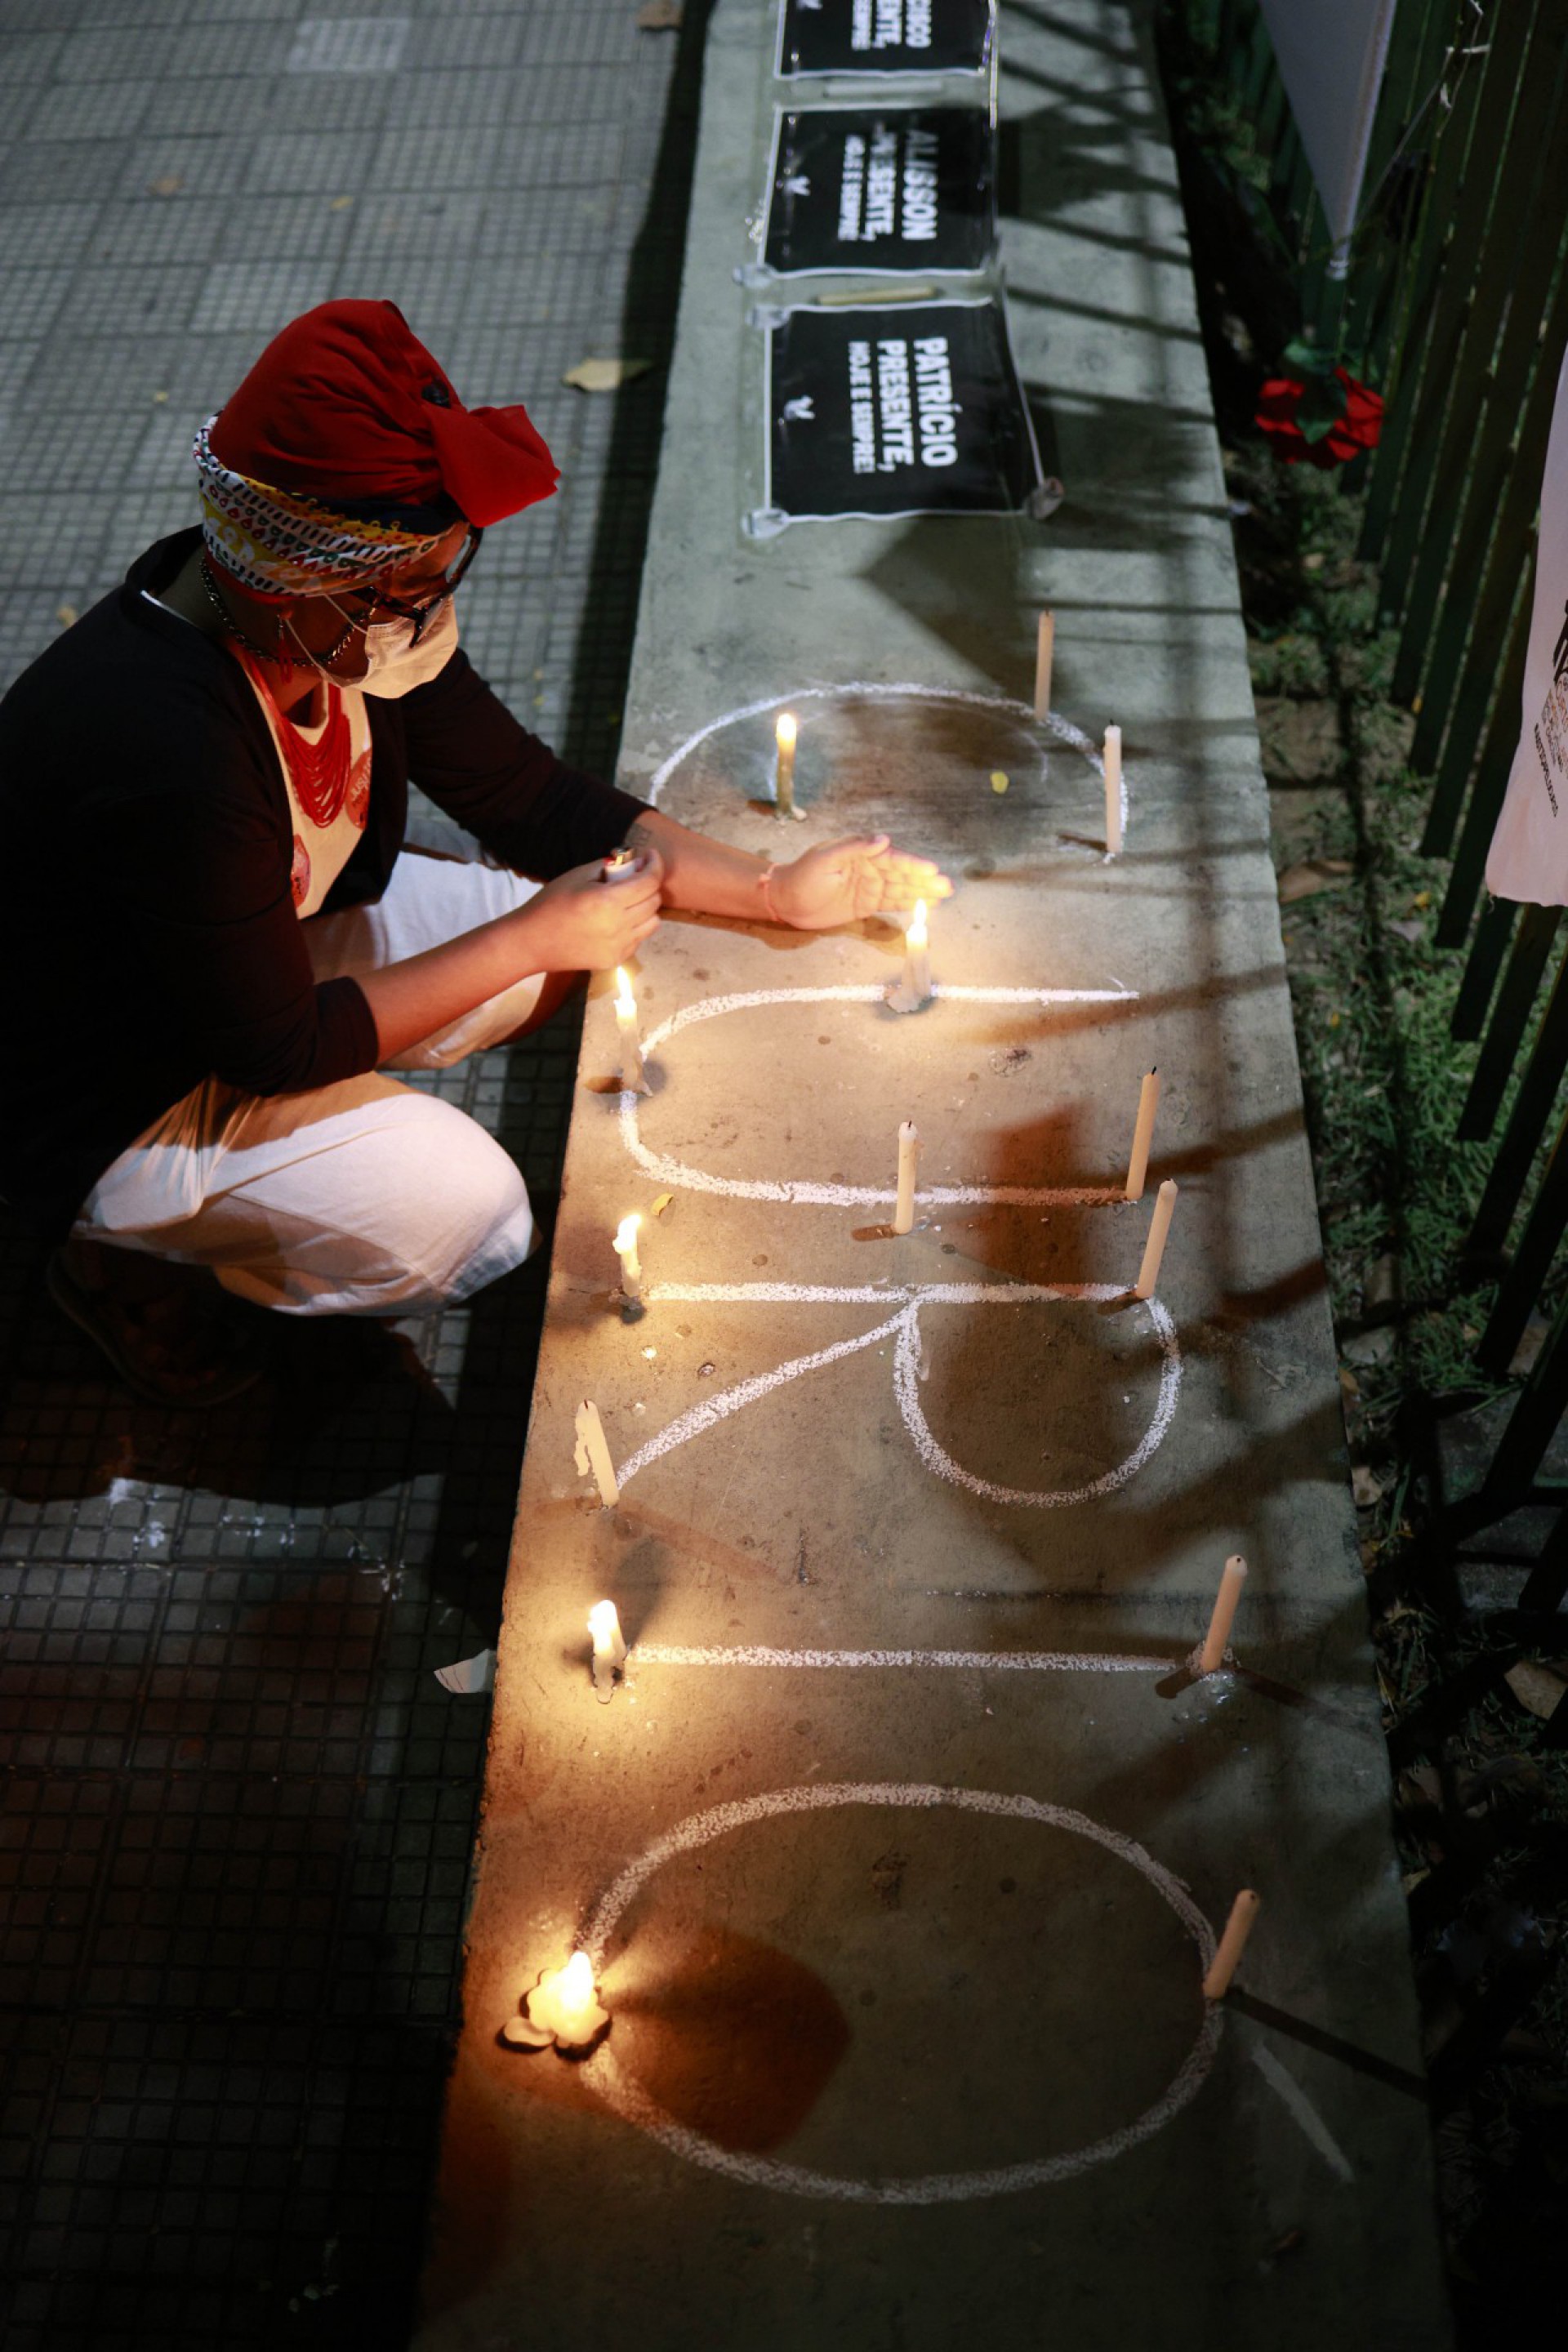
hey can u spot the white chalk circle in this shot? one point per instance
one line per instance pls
(627, 2100)
(1005, 704)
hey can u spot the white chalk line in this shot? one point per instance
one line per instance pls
(664, 1169)
(1062, 729)
(1005, 1661)
(907, 1361)
(1286, 2087)
(713, 1410)
(633, 2105)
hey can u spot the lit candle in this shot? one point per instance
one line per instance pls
(1143, 1136)
(626, 1251)
(1154, 1248)
(633, 1075)
(784, 767)
(1211, 1657)
(1045, 648)
(1112, 757)
(1232, 1944)
(609, 1648)
(908, 1162)
(914, 984)
(593, 1453)
(564, 2004)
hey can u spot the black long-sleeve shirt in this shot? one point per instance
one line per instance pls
(150, 938)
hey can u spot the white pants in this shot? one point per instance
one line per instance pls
(363, 1197)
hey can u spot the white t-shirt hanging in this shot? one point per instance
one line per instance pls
(1529, 857)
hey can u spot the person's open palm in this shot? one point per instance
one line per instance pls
(844, 881)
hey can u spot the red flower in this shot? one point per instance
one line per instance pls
(1360, 427)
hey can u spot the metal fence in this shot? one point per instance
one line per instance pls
(1452, 298)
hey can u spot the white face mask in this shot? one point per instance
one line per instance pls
(396, 665)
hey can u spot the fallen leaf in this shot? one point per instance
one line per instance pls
(1349, 1382)
(660, 16)
(1312, 875)
(159, 399)
(1421, 900)
(662, 1204)
(1537, 1688)
(340, 203)
(1311, 563)
(66, 614)
(604, 376)
(1366, 1487)
(168, 183)
(998, 780)
(1411, 929)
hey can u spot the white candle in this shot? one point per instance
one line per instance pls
(1045, 648)
(1143, 1136)
(593, 1453)
(626, 1251)
(1232, 1944)
(1112, 757)
(916, 981)
(565, 2003)
(784, 766)
(633, 1075)
(908, 1162)
(1211, 1657)
(1154, 1248)
(609, 1647)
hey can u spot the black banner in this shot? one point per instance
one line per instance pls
(883, 36)
(892, 190)
(913, 409)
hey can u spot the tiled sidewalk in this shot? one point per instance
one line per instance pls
(235, 1809)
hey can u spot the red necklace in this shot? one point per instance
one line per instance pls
(319, 772)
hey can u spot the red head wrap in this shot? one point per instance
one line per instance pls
(346, 405)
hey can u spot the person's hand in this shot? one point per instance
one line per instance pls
(844, 881)
(580, 922)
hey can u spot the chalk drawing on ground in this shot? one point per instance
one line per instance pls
(628, 2100)
(802, 1192)
(1004, 705)
(903, 1328)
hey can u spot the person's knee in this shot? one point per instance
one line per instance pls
(474, 1223)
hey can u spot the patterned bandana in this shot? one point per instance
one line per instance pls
(280, 543)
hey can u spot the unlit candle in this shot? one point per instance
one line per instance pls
(1143, 1136)
(1232, 1944)
(593, 1453)
(1211, 1657)
(1045, 648)
(908, 1163)
(1113, 758)
(1154, 1248)
(633, 1075)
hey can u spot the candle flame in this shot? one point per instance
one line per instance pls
(626, 1235)
(625, 1001)
(915, 937)
(577, 1980)
(784, 730)
(603, 1623)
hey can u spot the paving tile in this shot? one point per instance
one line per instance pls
(228, 1781)
(84, 110)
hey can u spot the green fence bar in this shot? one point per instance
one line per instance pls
(1510, 1170)
(1488, 950)
(1516, 1002)
(1531, 1425)
(1521, 1286)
